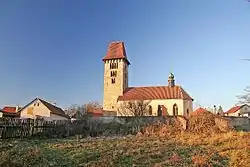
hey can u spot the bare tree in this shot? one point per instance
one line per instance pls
(80, 111)
(133, 108)
(245, 99)
(92, 105)
(76, 111)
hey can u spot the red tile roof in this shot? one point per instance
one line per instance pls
(8, 112)
(116, 50)
(235, 108)
(198, 111)
(9, 109)
(95, 112)
(155, 92)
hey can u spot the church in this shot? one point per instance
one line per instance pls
(170, 99)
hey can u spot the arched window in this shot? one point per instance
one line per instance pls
(175, 110)
(159, 111)
(187, 112)
(150, 110)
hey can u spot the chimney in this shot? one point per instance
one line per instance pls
(17, 108)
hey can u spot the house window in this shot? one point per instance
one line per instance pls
(175, 110)
(187, 112)
(34, 104)
(159, 111)
(37, 104)
(150, 110)
(113, 80)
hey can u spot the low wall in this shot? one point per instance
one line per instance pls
(238, 121)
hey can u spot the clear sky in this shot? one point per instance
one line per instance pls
(53, 49)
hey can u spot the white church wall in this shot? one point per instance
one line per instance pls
(183, 106)
(168, 103)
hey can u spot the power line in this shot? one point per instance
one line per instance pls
(245, 59)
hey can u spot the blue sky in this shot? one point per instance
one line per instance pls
(53, 49)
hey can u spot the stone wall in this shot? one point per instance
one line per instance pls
(238, 121)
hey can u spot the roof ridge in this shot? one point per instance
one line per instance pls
(181, 92)
(49, 103)
(155, 92)
(152, 86)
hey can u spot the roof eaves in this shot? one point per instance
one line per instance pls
(27, 105)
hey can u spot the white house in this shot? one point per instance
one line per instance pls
(39, 108)
(239, 111)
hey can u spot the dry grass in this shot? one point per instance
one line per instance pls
(234, 145)
(158, 145)
(186, 149)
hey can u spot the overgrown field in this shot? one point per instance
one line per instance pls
(226, 149)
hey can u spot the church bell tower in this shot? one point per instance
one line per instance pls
(115, 74)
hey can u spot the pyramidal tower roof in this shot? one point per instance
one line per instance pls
(116, 50)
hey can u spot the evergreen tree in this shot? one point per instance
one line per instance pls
(220, 111)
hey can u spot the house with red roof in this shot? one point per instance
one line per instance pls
(169, 99)
(10, 111)
(239, 111)
(198, 111)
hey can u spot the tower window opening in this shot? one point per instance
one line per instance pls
(113, 65)
(113, 80)
(113, 73)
